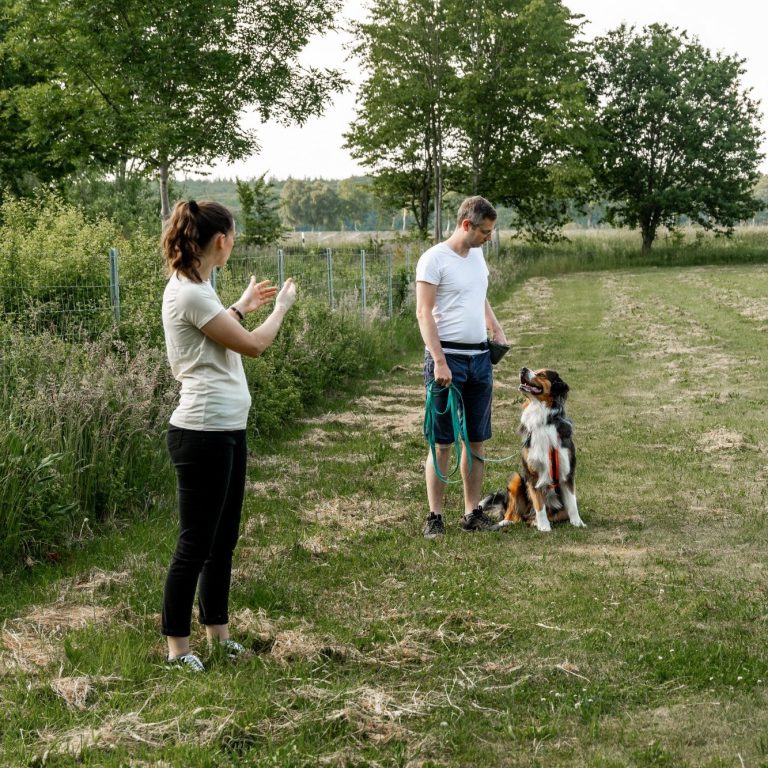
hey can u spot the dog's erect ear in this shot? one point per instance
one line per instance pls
(558, 387)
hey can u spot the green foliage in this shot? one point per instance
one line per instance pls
(22, 170)
(677, 133)
(486, 99)
(164, 85)
(258, 212)
(80, 442)
(313, 203)
(126, 199)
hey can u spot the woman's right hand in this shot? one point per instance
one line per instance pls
(287, 295)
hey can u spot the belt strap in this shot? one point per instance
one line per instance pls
(480, 345)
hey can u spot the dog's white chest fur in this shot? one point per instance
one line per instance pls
(542, 438)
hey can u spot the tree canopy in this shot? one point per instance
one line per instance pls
(165, 84)
(676, 133)
(484, 98)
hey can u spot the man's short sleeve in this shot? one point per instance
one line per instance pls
(427, 268)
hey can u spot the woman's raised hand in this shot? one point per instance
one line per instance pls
(256, 295)
(287, 294)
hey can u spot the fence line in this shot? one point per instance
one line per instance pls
(375, 284)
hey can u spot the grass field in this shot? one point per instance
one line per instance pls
(641, 640)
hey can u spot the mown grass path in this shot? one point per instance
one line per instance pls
(638, 641)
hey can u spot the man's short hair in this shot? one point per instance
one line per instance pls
(476, 209)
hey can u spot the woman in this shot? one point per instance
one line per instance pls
(206, 437)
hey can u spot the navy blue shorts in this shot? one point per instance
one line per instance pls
(473, 377)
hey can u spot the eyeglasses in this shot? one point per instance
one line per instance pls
(486, 232)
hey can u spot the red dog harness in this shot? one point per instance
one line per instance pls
(554, 467)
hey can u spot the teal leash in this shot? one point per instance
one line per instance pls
(459, 426)
(432, 411)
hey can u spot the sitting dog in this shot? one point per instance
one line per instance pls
(543, 492)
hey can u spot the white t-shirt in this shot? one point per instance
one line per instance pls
(214, 392)
(462, 284)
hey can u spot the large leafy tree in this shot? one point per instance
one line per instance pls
(21, 167)
(309, 203)
(402, 130)
(523, 123)
(485, 97)
(678, 135)
(165, 83)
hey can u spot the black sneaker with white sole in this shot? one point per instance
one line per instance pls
(476, 520)
(434, 527)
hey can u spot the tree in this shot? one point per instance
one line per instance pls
(21, 169)
(677, 133)
(166, 83)
(258, 210)
(312, 204)
(486, 97)
(402, 132)
(523, 125)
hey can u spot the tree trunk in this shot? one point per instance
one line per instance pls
(438, 232)
(649, 235)
(165, 206)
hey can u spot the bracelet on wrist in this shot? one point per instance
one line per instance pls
(237, 312)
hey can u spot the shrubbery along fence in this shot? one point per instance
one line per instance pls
(372, 283)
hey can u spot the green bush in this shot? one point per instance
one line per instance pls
(81, 438)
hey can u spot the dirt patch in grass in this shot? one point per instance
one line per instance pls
(354, 514)
(721, 439)
(388, 414)
(34, 641)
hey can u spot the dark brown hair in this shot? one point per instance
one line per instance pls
(189, 229)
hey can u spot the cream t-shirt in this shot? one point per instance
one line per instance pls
(214, 392)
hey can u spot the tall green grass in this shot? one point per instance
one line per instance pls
(610, 249)
(79, 444)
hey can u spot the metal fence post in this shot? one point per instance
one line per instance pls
(114, 284)
(329, 260)
(363, 298)
(408, 261)
(280, 268)
(389, 284)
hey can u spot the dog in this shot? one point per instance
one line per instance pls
(543, 492)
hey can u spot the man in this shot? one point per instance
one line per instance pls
(455, 319)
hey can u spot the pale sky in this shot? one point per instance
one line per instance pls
(315, 150)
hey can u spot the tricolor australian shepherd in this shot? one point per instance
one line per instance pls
(543, 492)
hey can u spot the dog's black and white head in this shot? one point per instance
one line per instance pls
(544, 386)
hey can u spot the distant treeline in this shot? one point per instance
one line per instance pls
(308, 205)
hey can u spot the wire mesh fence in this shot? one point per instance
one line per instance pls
(373, 283)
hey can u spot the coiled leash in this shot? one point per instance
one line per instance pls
(455, 407)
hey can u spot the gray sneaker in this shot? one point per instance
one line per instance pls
(187, 661)
(434, 527)
(476, 520)
(233, 648)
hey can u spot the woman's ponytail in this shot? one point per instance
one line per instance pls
(188, 231)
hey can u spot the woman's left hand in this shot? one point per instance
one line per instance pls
(256, 295)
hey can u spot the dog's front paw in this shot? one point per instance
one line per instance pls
(542, 522)
(577, 522)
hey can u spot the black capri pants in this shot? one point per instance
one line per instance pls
(210, 473)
